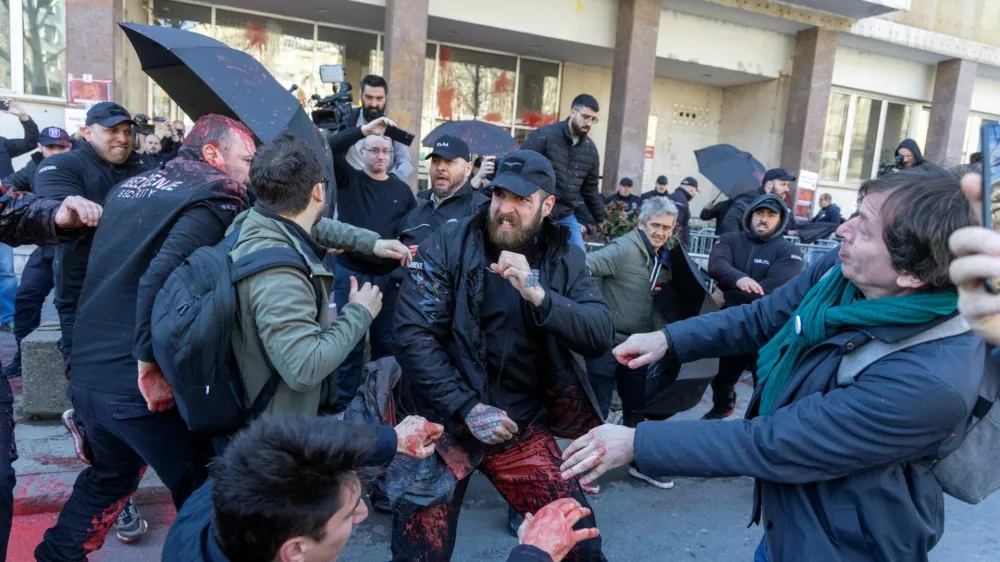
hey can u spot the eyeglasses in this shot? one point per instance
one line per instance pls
(379, 151)
(592, 119)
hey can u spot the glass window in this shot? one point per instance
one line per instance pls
(522, 134)
(356, 50)
(5, 77)
(285, 48)
(475, 85)
(897, 127)
(921, 120)
(45, 47)
(833, 137)
(537, 87)
(866, 118)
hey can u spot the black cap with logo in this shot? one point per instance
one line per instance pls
(54, 136)
(450, 148)
(524, 172)
(108, 114)
(691, 182)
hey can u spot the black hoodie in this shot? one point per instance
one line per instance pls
(771, 261)
(918, 156)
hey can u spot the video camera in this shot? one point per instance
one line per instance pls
(889, 167)
(331, 112)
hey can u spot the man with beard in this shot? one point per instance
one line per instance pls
(576, 164)
(776, 181)
(105, 160)
(374, 92)
(748, 265)
(486, 324)
(375, 200)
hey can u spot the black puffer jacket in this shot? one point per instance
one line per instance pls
(577, 168)
(771, 261)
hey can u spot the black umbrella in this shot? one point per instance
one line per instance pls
(205, 76)
(730, 169)
(482, 137)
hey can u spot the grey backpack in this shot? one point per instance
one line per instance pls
(972, 471)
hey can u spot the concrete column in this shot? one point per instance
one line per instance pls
(631, 90)
(96, 46)
(405, 49)
(131, 85)
(950, 111)
(808, 101)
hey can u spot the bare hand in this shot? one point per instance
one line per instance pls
(154, 387)
(393, 250)
(514, 268)
(748, 285)
(368, 296)
(334, 251)
(490, 425)
(377, 127)
(486, 168)
(978, 251)
(640, 350)
(415, 437)
(600, 450)
(15, 107)
(551, 529)
(78, 212)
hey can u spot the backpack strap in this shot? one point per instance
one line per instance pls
(852, 364)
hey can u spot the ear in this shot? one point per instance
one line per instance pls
(468, 169)
(907, 281)
(211, 153)
(88, 133)
(293, 550)
(547, 205)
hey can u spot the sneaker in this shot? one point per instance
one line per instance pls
(12, 370)
(130, 525)
(719, 413)
(514, 520)
(79, 435)
(661, 482)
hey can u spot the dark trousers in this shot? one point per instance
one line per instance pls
(524, 470)
(605, 373)
(125, 437)
(65, 303)
(730, 370)
(8, 454)
(37, 281)
(349, 372)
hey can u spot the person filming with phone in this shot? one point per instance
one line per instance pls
(374, 96)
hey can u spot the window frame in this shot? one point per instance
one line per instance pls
(16, 33)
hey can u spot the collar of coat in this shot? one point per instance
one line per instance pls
(259, 222)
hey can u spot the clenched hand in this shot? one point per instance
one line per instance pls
(490, 425)
(155, 388)
(78, 212)
(415, 437)
(515, 268)
(368, 296)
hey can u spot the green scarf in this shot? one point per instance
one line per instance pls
(828, 307)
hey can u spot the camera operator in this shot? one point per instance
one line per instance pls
(908, 156)
(374, 90)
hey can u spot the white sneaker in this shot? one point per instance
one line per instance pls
(661, 483)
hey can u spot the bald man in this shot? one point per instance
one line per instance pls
(373, 199)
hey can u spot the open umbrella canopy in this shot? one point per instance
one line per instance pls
(205, 76)
(482, 137)
(732, 170)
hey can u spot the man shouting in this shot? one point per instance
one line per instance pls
(486, 324)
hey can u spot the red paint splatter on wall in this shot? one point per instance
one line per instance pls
(256, 35)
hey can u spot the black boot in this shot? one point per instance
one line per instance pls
(722, 409)
(514, 520)
(12, 370)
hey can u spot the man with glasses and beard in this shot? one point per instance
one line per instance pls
(374, 91)
(487, 321)
(576, 164)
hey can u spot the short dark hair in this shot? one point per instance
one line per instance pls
(216, 129)
(284, 477)
(585, 100)
(283, 174)
(976, 158)
(375, 81)
(923, 207)
(826, 197)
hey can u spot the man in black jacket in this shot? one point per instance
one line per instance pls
(828, 210)
(576, 163)
(682, 197)
(486, 325)
(625, 197)
(105, 160)
(37, 278)
(748, 265)
(776, 181)
(375, 200)
(717, 212)
(659, 190)
(374, 99)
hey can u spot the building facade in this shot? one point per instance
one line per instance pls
(824, 88)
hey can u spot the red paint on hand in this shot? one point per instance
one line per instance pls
(155, 388)
(551, 529)
(416, 437)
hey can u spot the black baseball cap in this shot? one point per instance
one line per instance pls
(626, 181)
(689, 181)
(524, 172)
(450, 148)
(54, 136)
(777, 174)
(768, 201)
(662, 180)
(108, 114)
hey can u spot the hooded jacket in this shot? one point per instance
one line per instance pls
(577, 167)
(918, 156)
(770, 261)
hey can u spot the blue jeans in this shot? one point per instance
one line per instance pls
(575, 236)
(761, 554)
(8, 284)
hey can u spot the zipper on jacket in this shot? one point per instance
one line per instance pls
(188, 304)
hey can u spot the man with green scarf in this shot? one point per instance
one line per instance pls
(841, 466)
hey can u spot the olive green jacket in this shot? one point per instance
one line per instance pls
(281, 305)
(624, 270)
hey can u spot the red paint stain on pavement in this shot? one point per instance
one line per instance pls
(65, 462)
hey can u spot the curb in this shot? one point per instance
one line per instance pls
(48, 492)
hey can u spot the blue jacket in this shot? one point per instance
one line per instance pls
(841, 473)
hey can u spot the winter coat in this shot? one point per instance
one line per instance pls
(27, 219)
(682, 229)
(281, 305)
(841, 472)
(771, 262)
(577, 168)
(427, 217)
(24, 179)
(918, 156)
(442, 349)
(734, 217)
(830, 214)
(12, 148)
(624, 269)
(717, 213)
